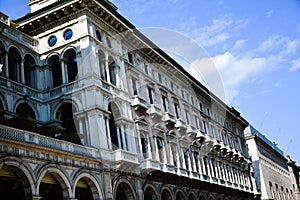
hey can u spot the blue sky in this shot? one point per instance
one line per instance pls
(255, 46)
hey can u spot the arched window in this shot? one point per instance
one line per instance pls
(102, 65)
(2, 58)
(71, 64)
(112, 70)
(65, 115)
(25, 111)
(55, 66)
(28, 71)
(115, 135)
(14, 64)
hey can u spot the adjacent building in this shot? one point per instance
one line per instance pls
(85, 114)
(270, 166)
(295, 175)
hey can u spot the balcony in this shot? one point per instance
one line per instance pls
(43, 141)
(125, 160)
(149, 165)
(169, 119)
(139, 104)
(181, 126)
(191, 132)
(155, 112)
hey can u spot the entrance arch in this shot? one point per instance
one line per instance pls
(166, 195)
(14, 184)
(150, 194)
(180, 196)
(124, 192)
(53, 187)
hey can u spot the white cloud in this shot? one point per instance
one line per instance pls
(238, 44)
(217, 32)
(277, 84)
(295, 65)
(269, 13)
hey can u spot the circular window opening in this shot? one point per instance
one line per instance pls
(98, 35)
(68, 34)
(52, 40)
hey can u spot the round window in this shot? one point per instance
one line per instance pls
(68, 34)
(98, 35)
(52, 40)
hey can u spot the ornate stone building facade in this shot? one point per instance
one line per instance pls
(87, 114)
(271, 169)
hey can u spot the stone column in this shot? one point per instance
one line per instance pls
(107, 187)
(63, 72)
(119, 138)
(123, 137)
(22, 72)
(6, 64)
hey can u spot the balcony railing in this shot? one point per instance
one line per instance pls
(155, 112)
(43, 141)
(121, 155)
(139, 103)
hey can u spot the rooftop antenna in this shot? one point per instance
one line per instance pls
(288, 146)
(262, 121)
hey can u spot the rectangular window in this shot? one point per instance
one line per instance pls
(197, 122)
(187, 116)
(130, 58)
(177, 109)
(165, 103)
(134, 86)
(150, 95)
(146, 68)
(159, 78)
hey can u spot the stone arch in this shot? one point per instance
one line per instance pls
(150, 192)
(65, 114)
(53, 183)
(14, 64)
(16, 174)
(70, 59)
(113, 129)
(102, 64)
(202, 197)
(191, 196)
(166, 194)
(124, 190)
(24, 109)
(86, 179)
(179, 195)
(112, 70)
(29, 63)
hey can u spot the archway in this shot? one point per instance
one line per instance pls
(150, 194)
(55, 66)
(166, 195)
(25, 119)
(71, 64)
(202, 197)
(14, 64)
(28, 71)
(65, 115)
(83, 189)
(25, 111)
(192, 197)
(124, 192)
(112, 70)
(180, 196)
(102, 65)
(115, 135)
(52, 187)
(14, 184)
